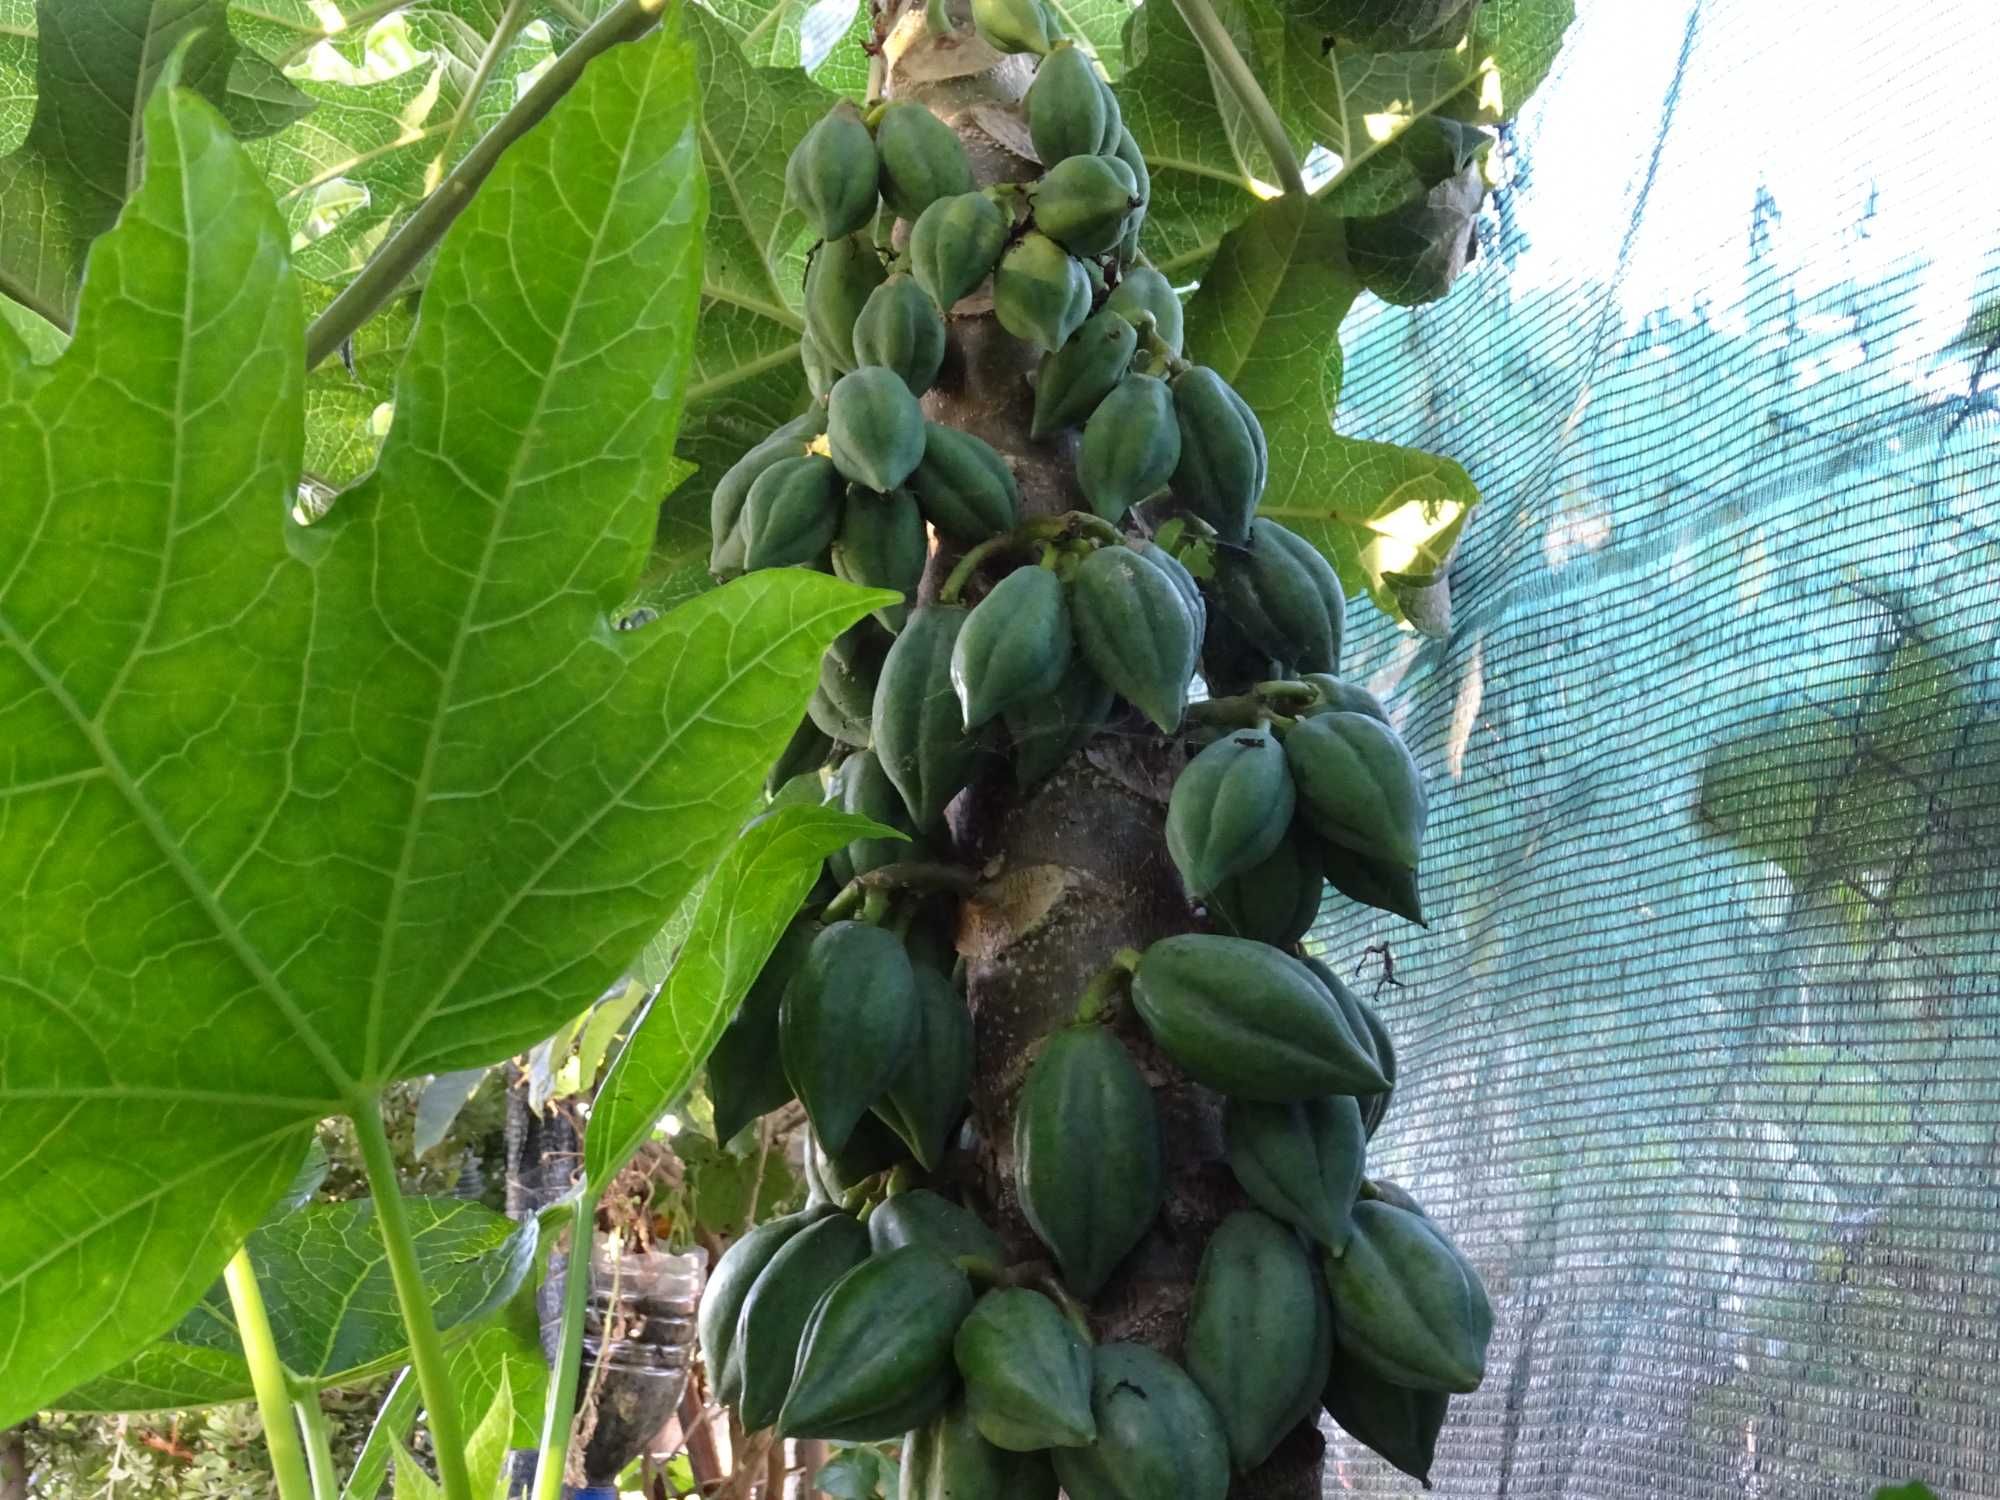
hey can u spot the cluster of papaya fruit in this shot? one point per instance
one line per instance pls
(889, 1308)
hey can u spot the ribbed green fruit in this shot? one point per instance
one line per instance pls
(1285, 596)
(779, 1304)
(964, 487)
(844, 700)
(729, 1284)
(1359, 787)
(1366, 1024)
(948, 1460)
(1012, 25)
(922, 1217)
(1046, 731)
(1274, 902)
(955, 244)
(1230, 809)
(1248, 1020)
(1087, 1160)
(746, 1077)
(1068, 112)
(922, 159)
(1300, 1162)
(1041, 293)
(1074, 379)
(1083, 203)
(1223, 460)
(1175, 572)
(1026, 1371)
(791, 513)
(1338, 697)
(1131, 446)
(725, 503)
(876, 1359)
(1015, 646)
(1157, 1434)
(1407, 1306)
(1374, 883)
(821, 372)
(1398, 1423)
(1259, 1334)
(901, 329)
(839, 278)
(848, 1020)
(1126, 149)
(1391, 1193)
(918, 726)
(926, 1100)
(870, 1151)
(874, 428)
(1134, 628)
(1145, 290)
(805, 752)
(882, 544)
(831, 173)
(867, 791)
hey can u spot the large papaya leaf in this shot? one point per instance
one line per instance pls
(289, 814)
(1266, 319)
(326, 1282)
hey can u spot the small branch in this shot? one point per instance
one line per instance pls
(904, 875)
(560, 1412)
(414, 1301)
(1221, 49)
(267, 1377)
(404, 250)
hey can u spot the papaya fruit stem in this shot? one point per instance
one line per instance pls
(1244, 712)
(937, 20)
(1303, 693)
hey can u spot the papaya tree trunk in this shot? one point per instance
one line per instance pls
(1076, 867)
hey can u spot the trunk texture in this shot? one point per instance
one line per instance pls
(1076, 867)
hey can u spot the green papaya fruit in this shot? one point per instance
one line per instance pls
(840, 275)
(1258, 1333)
(780, 1302)
(1074, 379)
(1366, 1024)
(831, 173)
(870, 1151)
(1175, 571)
(874, 428)
(922, 1217)
(1046, 731)
(1144, 290)
(1126, 149)
(1041, 293)
(1338, 697)
(1230, 809)
(867, 791)
(1131, 446)
(1026, 1372)
(926, 1100)
(876, 1359)
(1015, 646)
(805, 752)
(1285, 596)
(948, 1460)
(844, 700)
(1407, 1306)
(1374, 883)
(725, 503)
(882, 544)
(848, 1019)
(921, 157)
(1391, 1193)
(901, 329)
(791, 513)
(964, 488)
(1066, 104)
(1223, 462)
(1090, 1207)
(1249, 1021)
(1300, 1162)
(1275, 902)
(1359, 787)
(1134, 628)
(729, 1284)
(1398, 1423)
(1012, 25)
(1157, 1434)
(1083, 203)
(745, 1076)
(918, 726)
(1114, 121)
(955, 244)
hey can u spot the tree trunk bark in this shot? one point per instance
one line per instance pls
(1076, 867)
